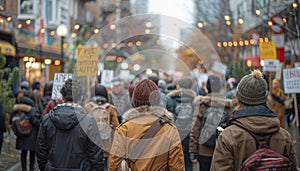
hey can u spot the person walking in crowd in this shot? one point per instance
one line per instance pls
(251, 117)
(69, 137)
(202, 151)
(183, 99)
(46, 97)
(276, 101)
(2, 124)
(100, 99)
(36, 89)
(26, 142)
(162, 149)
(119, 97)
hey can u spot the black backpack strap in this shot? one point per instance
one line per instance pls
(141, 145)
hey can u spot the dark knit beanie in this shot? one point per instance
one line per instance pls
(252, 89)
(145, 93)
(213, 84)
(185, 82)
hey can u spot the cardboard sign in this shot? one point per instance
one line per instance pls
(291, 78)
(271, 65)
(267, 50)
(58, 82)
(87, 62)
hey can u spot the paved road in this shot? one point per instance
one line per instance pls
(10, 157)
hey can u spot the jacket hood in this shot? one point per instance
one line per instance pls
(213, 100)
(182, 93)
(148, 110)
(66, 116)
(257, 119)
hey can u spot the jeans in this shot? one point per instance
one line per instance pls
(204, 163)
(24, 158)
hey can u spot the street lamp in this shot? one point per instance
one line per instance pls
(62, 32)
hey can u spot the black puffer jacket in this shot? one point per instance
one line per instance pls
(27, 106)
(69, 140)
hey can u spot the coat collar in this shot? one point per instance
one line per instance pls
(182, 92)
(23, 107)
(213, 100)
(147, 110)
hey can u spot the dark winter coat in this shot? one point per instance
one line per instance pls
(42, 104)
(201, 104)
(69, 140)
(235, 144)
(28, 107)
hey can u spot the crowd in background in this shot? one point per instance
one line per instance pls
(62, 128)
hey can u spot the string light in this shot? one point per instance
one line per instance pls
(200, 25)
(8, 19)
(228, 22)
(270, 23)
(28, 22)
(257, 12)
(241, 21)
(77, 26)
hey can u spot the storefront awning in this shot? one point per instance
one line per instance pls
(7, 48)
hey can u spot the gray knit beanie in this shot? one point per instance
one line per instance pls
(252, 89)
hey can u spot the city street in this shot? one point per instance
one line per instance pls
(10, 157)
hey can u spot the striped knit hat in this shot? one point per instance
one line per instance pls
(145, 93)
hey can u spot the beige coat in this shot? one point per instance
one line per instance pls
(114, 122)
(201, 104)
(277, 107)
(163, 150)
(235, 144)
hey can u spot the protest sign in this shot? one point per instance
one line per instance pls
(271, 65)
(59, 81)
(87, 62)
(267, 50)
(291, 78)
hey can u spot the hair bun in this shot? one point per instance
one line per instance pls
(257, 74)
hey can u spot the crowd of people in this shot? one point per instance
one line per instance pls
(152, 124)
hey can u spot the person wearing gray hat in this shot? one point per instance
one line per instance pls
(251, 118)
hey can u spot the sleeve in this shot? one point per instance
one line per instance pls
(291, 153)
(176, 157)
(114, 122)
(118, 149)
(94, 152)
(195, 132)
(42, 149)
(222, 159)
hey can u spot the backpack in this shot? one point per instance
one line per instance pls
(102, 117)
(265, 158)
(21, 125)
(183, 117)
(212, 119)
